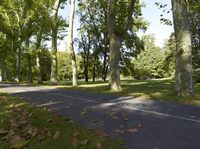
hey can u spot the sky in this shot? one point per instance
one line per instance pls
(150, 12)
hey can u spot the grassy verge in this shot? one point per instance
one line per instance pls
(162, 89)
(25, 126)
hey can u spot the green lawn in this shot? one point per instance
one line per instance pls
(25, 126)
(160, 89)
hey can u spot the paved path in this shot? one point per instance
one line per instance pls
(142, 124)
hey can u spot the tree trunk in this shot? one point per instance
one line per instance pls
(39, 74)
(184, 83)
(28, 56)
(104, 72)
(30, 72)
(70, 43)
(18, 65)
(54, 65)
(1, 73)
(38, 46)
(115, 45)
(4, 67)
(94, 72)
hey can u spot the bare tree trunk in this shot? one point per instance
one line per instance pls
(1, 73)
(30, 73)
(38, 46)
(18, 65)
(39, 74)
(184, 83)
(115, 45)
(70, 43)
(94, 72)
(54, 65)
(104, 72)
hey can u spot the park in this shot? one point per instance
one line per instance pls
(106, 74)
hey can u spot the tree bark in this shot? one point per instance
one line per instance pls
(18, 65)
(30, 72)
(70, 43)
(184, 82)
(1, 73)
(38, 66)
(54, 65)
(115, 45)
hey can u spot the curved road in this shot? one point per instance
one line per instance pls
(141, 124)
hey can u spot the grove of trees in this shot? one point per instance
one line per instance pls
(108, 45)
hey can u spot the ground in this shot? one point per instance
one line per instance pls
(141, 124)
(23, 125)
(159, 89)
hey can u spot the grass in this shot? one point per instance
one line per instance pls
(23, 125)
(159, 89)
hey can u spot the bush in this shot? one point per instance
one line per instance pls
(196, 75)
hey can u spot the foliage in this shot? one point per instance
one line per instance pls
(149, 63)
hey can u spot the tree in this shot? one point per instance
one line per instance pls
(54, 64)
(120, 21)
(70, 43)
(184, 82)
(149, 63)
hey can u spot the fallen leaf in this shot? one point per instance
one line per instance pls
(74, 141)
(41, 138)
(30, 115)
(119, 131)
(140, 125)
(126, 119)
(56, 135)
(16, 142)
(3, 132)
(102, 133)
(95, 121)
(76, 134)
(49, 120)
(132, 130)
(98, 146)
(155, 147)
(84, 142)
(49, 134)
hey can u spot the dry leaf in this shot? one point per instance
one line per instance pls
(49, 120)
(102, 133)
(140, 125)
(95, 121)
(76, 134)
(155, 147)
(126, 119)
(84, 142)
(132, 130)
(119, 131)
(16, 142)
(3, 132)
(74, 141)
(98, 146)
(49, 134)
(56, 135)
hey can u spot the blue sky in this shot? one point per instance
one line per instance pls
(151, 13)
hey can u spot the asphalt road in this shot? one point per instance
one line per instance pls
(141, 124)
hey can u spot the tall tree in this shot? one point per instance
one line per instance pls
(54, 64)
(184, 82)
(120, 21)
(70, 43)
